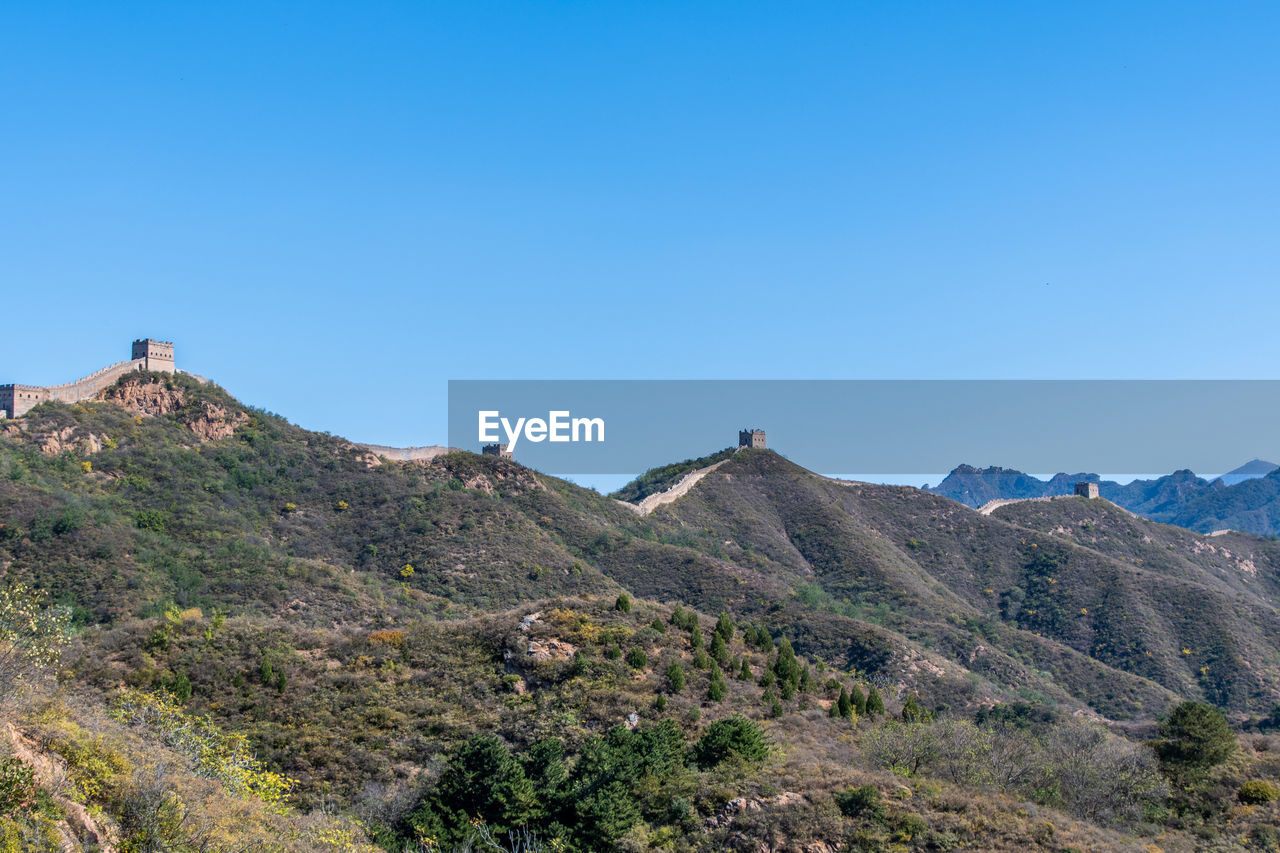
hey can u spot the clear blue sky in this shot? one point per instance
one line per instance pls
(334, 208)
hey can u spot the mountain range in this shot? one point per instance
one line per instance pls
(1245, 499)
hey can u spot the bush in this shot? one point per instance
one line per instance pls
(1258, 791)
(861, 802)
(637, 659)
(17, 786)
(623, 603)
(151, 519)
(731, 736)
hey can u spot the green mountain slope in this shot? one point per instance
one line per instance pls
(362, 622)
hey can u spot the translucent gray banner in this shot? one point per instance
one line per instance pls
(875, 426)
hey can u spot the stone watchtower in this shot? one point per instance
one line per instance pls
(499, 450)
(752, 438)
(1087, 490)
(155, 355)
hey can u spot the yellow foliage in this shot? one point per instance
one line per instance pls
(390, 637)
(86, 466)
(575, 624)
(219, 755)
(95, 767)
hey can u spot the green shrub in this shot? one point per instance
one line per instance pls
(17, 786)
(1258, 791)
(637, 659)
(862, 802)
(150, 519)
(910, 826)
(623, 603)
(732, 736)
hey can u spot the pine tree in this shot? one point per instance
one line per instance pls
(675, 677)
(695, 638)
(787, 669)
(875, 705)
(859, 701)
(744, 673)
(717, 688)
(719, 651)
(845, 704)
(724, 626)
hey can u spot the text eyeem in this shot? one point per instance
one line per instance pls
(558, 426)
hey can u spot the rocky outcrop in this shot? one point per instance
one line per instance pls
(740, 805)
(209, 421)
(213, 422)
(147, 398)
(68, 440)
(547, 650)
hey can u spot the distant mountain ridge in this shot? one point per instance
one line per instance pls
(1246, 499)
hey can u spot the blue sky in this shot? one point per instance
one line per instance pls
(332, 209)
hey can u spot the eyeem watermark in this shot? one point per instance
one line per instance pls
(876, 427)
(557, 427)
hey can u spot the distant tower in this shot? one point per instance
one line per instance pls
(155, 355)
(1087, 490)
(499, 450)
(752, 438)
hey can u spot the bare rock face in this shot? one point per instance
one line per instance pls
(209, 421)
(214, 422)
(146, 398)
(69, 439)
(741, 805)
(545, 650)
(479, 481)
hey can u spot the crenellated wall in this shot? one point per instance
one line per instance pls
(17, 400)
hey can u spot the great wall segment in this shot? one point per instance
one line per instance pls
(146, 354)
